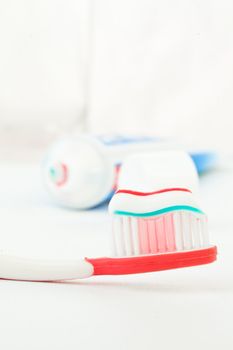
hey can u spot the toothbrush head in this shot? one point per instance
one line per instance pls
(164, 221)
(155, 232)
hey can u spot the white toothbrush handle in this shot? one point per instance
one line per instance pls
(19, 268)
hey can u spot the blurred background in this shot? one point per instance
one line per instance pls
(152, 67)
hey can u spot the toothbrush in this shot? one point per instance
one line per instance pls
(172, 236)
(159, 231)
(152, 230)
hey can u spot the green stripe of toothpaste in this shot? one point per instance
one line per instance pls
(160, 211)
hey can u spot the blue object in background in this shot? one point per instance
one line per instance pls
(204, 161)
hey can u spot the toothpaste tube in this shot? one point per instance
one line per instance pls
(82, 171)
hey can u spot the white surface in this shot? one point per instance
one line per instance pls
(187, 308)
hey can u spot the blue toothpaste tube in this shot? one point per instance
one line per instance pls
(82, 171)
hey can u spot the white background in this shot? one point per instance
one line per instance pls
(160, 67)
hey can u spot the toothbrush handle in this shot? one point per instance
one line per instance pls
(26, 269)
(18, 268)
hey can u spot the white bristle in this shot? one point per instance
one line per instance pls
(118, 236)
(196, 232)
(205, 234)
(186, 230)
(135, 238)
(127, 235)
(113, 239)
(176, 231)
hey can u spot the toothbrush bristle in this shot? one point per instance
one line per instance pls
(176, 231)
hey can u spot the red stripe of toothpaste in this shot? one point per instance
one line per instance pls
(136, 193)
